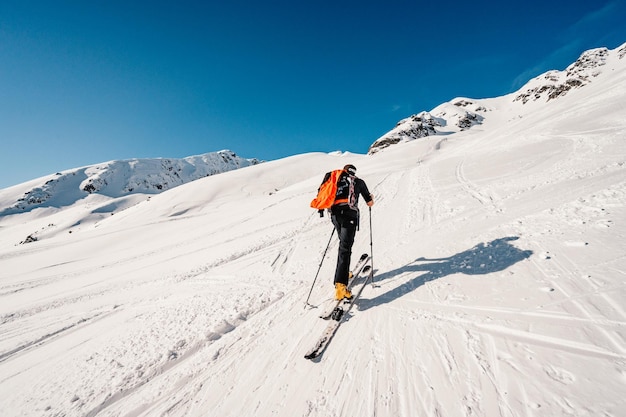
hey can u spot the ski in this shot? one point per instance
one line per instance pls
(339, 315)
(360, 264)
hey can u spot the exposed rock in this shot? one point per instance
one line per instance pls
(457, 115)
(416, 126)
(29, 239)
(555, 84)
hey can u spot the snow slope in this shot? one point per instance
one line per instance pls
(500, 258)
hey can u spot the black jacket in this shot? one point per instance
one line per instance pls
(347, 198)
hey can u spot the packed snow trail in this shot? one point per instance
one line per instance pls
(444, 332)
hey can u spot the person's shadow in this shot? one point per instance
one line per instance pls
(482, 259)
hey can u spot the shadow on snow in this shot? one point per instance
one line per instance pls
(482, 259)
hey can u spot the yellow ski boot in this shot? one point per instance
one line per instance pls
(341, 292)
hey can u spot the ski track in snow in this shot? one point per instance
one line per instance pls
(481, 359)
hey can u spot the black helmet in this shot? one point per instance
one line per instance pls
(350, 169)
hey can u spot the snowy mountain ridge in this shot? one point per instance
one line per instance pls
(462, 113)
(116, 179)
(152, 176)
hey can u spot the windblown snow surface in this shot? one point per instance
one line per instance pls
(500, 283)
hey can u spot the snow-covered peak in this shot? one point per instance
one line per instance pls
(447, 118)
(463, 113)
(116, 179)
(555, 84)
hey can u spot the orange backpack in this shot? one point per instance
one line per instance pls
(327, 192)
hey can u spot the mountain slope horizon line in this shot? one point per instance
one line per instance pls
(118, 178)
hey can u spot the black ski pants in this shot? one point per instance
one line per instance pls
(346, 225)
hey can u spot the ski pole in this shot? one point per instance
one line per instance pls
(371, 250)
(319, 268)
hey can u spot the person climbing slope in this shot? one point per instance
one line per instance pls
(343, 189)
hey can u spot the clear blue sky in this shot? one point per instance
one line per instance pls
(83, 82)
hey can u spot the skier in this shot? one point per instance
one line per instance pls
(345, 218)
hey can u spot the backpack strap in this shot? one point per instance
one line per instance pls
(351, 199)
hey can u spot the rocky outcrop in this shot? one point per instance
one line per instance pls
(457, 115)
(555, 84)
